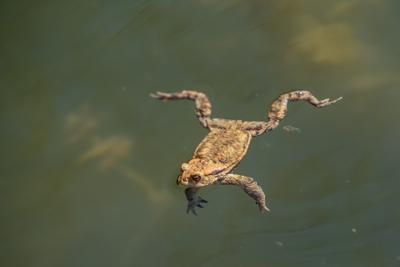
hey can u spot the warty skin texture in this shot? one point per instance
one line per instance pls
(227, 143)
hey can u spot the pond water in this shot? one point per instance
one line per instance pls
(89, 160)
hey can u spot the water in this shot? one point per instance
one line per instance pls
(89, 161)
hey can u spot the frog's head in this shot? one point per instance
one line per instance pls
(191, 176)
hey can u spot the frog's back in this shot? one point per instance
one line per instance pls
(225, 147)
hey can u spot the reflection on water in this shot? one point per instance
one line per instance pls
(80, 124)
(89, 161)
(108, 153)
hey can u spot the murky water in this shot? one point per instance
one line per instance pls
(89, 161)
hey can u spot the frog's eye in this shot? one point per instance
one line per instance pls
(196, 178)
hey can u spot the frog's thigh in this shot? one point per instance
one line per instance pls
(254, 127)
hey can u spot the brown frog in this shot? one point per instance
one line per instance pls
(227, 143)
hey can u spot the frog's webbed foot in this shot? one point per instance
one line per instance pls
(202, 104)
(248, 184)
(194, 201)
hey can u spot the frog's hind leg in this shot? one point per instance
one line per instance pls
(278, 108)
(202, 104)
(248, 184)
(278, 111)
(255, 127)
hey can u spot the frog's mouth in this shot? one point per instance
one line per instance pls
(180, 181)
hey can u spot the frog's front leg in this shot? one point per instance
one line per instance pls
(193, 200)
(202, 104)
(248, 184)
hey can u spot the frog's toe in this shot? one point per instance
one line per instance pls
(264, 209)
(202, 200)
(159, 95)
(191, 207)
(327, 102)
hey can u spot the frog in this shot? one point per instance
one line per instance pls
(226, 144)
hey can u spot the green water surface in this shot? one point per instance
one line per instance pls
(89, 161)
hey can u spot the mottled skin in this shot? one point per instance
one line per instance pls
(227, 143)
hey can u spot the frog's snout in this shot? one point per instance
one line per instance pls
(181, 181)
